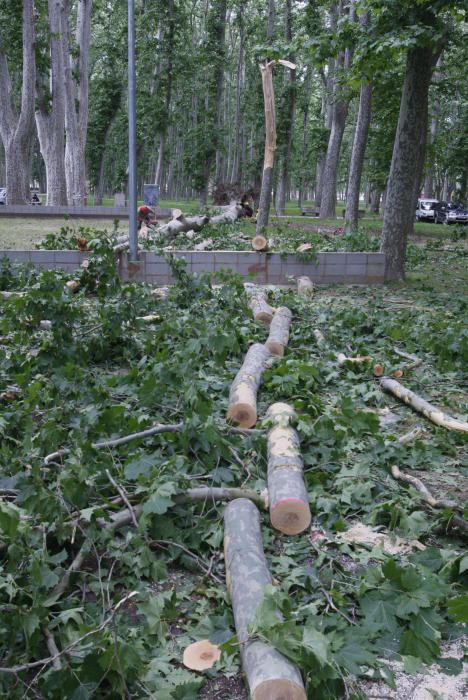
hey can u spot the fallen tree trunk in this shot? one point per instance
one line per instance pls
(228, 215)
(305, 286)
(261, 309)
(432, 413)
(287, 494)
(269, 674)
(279, 331)
(343, 359)
(243, 394)
(319, 337)
(181, 224)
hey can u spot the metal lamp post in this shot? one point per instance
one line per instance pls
(132, 166)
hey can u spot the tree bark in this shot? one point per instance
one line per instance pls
(284, 176)
(357, 157)
(76, 102)
(261, 309)
(279, 331)
(243, 394)
(269, 674)
(375, 201)
(399, 209)
(17, 128)
(287, 494)
(432, 413)
(263, 212)
(50, 113)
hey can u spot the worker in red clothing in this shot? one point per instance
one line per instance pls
(145, 216)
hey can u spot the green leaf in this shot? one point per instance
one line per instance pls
(451, 666)
(140, 466)
(411, 664)
(317, 643)
(463, 564)
(457, 608)
(9, 519)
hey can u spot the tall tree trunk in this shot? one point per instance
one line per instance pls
(236, 171)
(17, 129)
(429, 179)
(50, 113)
(76, 102)
(404, 170)
(169, 71)
(263, 212)
(357, 157)
(375, 201)
(219, 37)
(287, 133)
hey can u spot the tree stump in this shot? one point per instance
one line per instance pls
(269, 674)
(287, 494)
(243, 394)
(279, 331)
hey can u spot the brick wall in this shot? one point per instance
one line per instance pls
(262, 268)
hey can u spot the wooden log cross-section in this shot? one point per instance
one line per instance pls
(270, 675)
(261, 309)
(287, 494)
(305, 286)
(243, 394)
(279, 331)
(432, 413)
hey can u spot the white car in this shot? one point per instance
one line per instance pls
(425, 210)
(2, 195)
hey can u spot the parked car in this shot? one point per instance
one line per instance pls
(425, 211)
(450, 213)
(2, 195)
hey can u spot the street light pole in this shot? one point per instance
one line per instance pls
(132, 166)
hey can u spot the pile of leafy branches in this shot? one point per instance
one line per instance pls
(92, 610)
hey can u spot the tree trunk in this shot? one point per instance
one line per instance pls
(287, 494)
(287, 133)
(270, 147)
(357, 157)
(375, 201)
(17, 129)
(76, 102)
(404, 170)
(429, 179)
(269, 674)
(236, 164)
(243, 394)
(50, 114)
(432, 413)
(261, 309)
(219, 38)
(279, 331)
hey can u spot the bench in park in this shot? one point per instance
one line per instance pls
(310, 211)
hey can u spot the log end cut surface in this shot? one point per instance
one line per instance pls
(290, 516)
(279, 689)
(244, 414)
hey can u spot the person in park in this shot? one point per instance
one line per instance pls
(145, 216)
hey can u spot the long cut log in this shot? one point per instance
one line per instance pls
(243, 394)
(287, 494)
(279, 331)
(432, 413)
(269, 674)
(261, 309)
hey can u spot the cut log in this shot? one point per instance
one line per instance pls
(270, 675)
(279, 331)
(378, 370)
(177, 213)
(259, 243)
(228, 215)
(45, 325)
(201, 655)
(261, 309)
(181, 224)
(304, 247)
(432, 413)
(319, 337)
(287, 494)
(305, 286)
(359, 359)
(243, 394)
